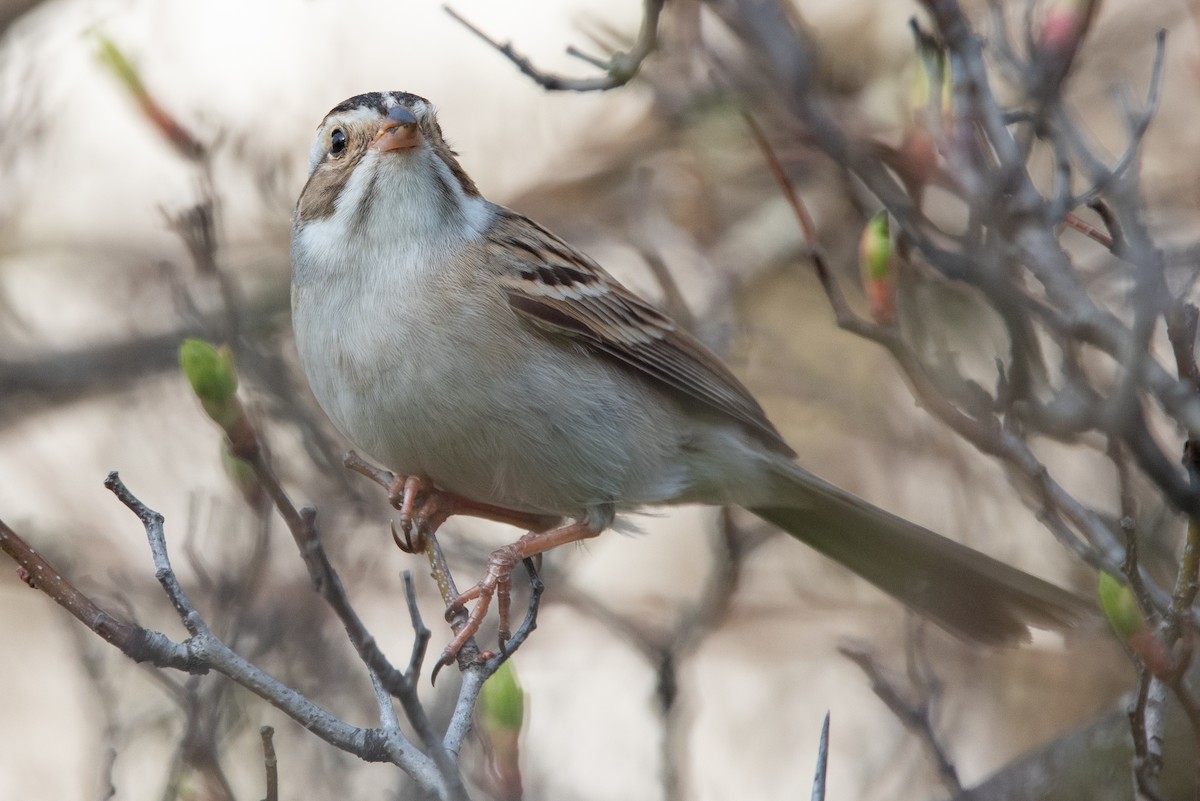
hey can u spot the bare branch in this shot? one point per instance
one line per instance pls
(140, 645)
(270, 763)
(818, 792)
(620, 68)
(303, 527)
(206, 650)
(914, 715)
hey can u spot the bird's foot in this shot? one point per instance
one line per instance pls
(424, 508)
(497, 582)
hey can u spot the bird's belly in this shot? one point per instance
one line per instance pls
(489, 428)
(499, 440)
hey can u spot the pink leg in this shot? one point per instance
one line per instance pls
(424, 508)
(498, 580)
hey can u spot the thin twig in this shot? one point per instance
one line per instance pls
(528, 624)
(1145, 719)
(620, 68)
(818, 790)
(913, 715)
(206, 651)
(303, 527)
(469, 654)
(1090, 231)
(1102, 178)
(846, 318)
(137, 643)
(421, 632)
(270, 764)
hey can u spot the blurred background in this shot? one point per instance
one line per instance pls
(116, 242)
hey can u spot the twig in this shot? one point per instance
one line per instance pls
(913, 715)
(421, 632)
(1145, 721)
(469, 653)
(1101, 549)
(818, 791)
(302, 524)
(1102, 178)
(846, 318)
(329, 586)
(620, 68)
(270, 763)
(205, 651)
(1090, 231)
(528, 623)
(137, 643)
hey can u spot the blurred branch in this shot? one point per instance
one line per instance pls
(1093, 762)
(666, 653)
(118, 64)
(915, 714)
(13, 10)
(619, 68)
(56, 378)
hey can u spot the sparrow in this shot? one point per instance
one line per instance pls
(506, 374)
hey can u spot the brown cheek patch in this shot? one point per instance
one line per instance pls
(318, 201)
(319, 197)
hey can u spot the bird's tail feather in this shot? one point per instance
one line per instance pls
(971, 595)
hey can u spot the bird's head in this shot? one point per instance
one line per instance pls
(382, 156)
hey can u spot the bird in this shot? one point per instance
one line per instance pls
(506, 374)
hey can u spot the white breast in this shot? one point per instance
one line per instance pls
(417, 358)
(370, 306)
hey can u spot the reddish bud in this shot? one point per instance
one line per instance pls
(875, 260)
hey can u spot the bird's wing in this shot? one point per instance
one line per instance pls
(562, 291)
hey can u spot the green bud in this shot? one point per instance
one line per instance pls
(1120, 607)
(875, 248)
(213, 378)
(502, 701)
(111, 57)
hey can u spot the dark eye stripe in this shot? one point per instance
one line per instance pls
(318, 201)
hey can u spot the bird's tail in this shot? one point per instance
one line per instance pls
(971, 595)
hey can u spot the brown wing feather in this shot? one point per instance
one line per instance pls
(560, 290)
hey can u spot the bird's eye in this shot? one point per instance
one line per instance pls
(337, 142)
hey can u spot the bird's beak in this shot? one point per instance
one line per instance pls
(399, 132)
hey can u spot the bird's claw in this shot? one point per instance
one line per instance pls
(497, 582)
(423, 509)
